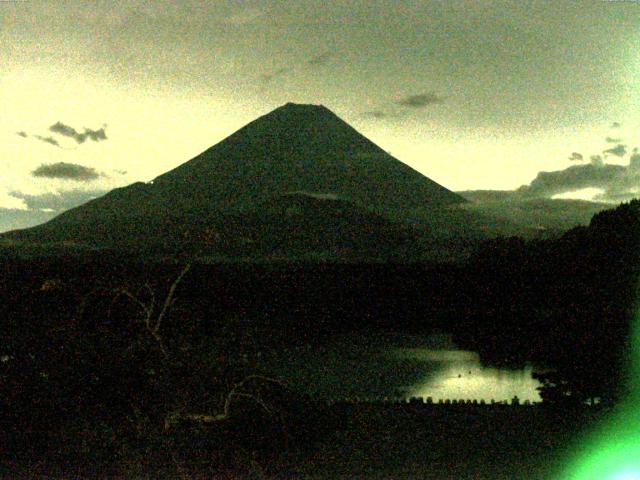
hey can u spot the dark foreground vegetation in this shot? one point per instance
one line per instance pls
(118, 366)
(319, 440)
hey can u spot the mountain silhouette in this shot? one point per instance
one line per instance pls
(292, 152)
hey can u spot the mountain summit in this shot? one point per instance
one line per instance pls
(295, 149)
(300, 148)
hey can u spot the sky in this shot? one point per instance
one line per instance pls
(481, 94)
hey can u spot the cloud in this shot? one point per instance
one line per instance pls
(421, 100)
(95, 135)
(315, 61)
(375, 114)
(321, 59)
(66, 171)
(547, 184)
(615, 125)
(57, 201)
(49, 140)
(8, 201)
(612, 140)
(13, 219)
(266, 78)
(68, 131)
(576, 157)
(619, 150)
(63, 129)
(616, 181)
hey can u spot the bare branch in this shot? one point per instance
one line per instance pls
(168, 301)
(160, 343)
(233, 394)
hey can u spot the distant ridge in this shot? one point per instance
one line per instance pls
(295, 149)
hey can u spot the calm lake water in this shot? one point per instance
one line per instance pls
(401, 366)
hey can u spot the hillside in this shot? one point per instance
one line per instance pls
(531, 217)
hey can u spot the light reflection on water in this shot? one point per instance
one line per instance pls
(390, 365)
(460, 375)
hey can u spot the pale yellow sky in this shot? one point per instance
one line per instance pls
(516, 88)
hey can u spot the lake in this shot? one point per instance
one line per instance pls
(377, 366)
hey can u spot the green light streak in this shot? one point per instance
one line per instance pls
(612, 451)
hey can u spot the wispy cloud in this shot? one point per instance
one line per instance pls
(68, 131)
(66, 171)
(64, 130)
(57, 201)
(615, 125)
(311, 62)
(575, 156)
(421, 100)
(612, 140)
(267, 77)
(10, 202)
(377, 114)
(49, 140)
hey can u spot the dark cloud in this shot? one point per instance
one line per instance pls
(66, 171)
(267, 77)
(68, 131)
(421, 100)
(58, 201)
(95, 135)
(577, 177)
(22, 133)
(615, 125)
(320, 59)
(49, 140)
(315, 61)
(63, 129)
(613, 140)
(375, 114)
(619, 150)
(576, 156)
(616, 181)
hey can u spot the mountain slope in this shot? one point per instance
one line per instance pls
(302, 148)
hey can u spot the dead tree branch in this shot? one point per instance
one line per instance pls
(235, 393)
